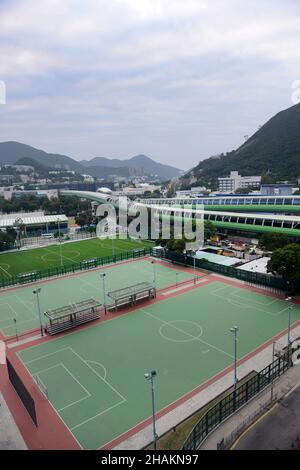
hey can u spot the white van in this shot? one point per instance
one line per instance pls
(47, 235)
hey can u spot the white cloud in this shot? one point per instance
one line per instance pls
(149, 65)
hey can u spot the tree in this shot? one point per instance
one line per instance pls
(84, 218)
(176, 245)
(286, 263)
(7, 241)
(210, 230)
(273, 241)
(243, 191)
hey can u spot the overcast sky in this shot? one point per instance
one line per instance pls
(178, 80)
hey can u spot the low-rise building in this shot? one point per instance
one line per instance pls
(235, 181)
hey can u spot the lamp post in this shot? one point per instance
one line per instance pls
(60, 247)
(103, 275)
(113, 246)
(18, 224)
(290, 308)
(150, 376)
(37, 293)
(235, 330)
(194, 268)
(154, 273)
(16, 329)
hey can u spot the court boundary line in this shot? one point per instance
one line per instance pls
(85, 362)
(61, 364)
(6, 272)
(186, 397)
(239, 304)
(188, 334)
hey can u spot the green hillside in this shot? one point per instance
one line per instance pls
(273, 152)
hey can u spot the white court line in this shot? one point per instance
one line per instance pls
(236, 294)
(187, 334)
(12, 310)
(60, 364)
(97, 415)
(26, 306)
(46, 355)
(55, 411)
(63, 256)
(6, 272)
(235, 303)
(123, 400)
(96, 373)
(101, 365)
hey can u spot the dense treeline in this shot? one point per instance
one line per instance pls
(69, 205)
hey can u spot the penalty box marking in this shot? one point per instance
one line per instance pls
(236, 303)
(43, 371)
(122, 398)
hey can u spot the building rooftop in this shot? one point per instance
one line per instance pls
(35, 218)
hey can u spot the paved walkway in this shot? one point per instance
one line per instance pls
(10, 436)
(257, 362)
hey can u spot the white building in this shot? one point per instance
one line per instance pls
(236, 181)
(193, 192)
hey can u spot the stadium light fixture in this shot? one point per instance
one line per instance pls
(150, 376)
(37, 292)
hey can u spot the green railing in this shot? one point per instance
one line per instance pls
(227, 406)
(261, 279)
(24, 278)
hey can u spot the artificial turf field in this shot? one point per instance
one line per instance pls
(39, 259)
(95, 377)
(20, 305)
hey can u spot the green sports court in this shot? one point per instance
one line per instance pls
(49, 256)
(94, 377)
(18, 308)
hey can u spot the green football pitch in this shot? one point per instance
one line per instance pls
(20, 305)
(95, 377)
(39, 259)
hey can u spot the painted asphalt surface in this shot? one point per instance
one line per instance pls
(277, 430)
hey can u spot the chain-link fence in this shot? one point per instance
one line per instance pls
(258, 279)
(72, 268)
(235, 400)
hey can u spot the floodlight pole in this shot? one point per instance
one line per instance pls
(149, 376)
(194, 268)
(154, 273)
(235, 330)
(18, 223)
(60, 247)
(113, 246)
(37, 292)
(16, 330)
(290, 308)
(102, 275)
(273, 360)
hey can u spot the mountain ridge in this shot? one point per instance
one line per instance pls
(11, 152)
